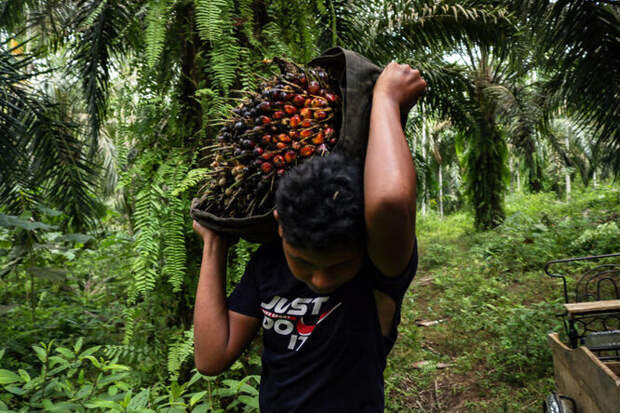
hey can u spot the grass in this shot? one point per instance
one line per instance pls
(495, 303)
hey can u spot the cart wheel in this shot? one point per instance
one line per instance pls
(556, 403)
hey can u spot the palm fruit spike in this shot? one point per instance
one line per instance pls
(290, 118)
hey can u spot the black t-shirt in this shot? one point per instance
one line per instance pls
(321, 353)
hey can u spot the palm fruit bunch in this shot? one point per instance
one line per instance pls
(293, 116)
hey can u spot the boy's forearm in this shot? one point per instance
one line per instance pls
(211, 326)
(389, 173)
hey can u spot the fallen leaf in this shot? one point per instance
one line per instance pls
(428, 323)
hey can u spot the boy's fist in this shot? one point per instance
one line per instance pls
(400, 84)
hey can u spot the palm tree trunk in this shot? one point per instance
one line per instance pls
(440, 179)
(567, 175)
(424, 188)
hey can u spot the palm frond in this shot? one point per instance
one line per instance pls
(97, 43)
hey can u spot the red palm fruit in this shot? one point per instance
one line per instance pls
(280, 145)
(305, 113)
(314, 87)
(266, 138)
(258, 150)
(308, 102)
(318, 139)
(265, 120)
(305, 133)
(303, 80)
(332, 141)
(329, 132)
(293, 134)
(267, 155)
(295, 121)
(299, 100)
(283, 137)
(306, 123)
(266, 167)
(278, 161)
(331, 98)
(265, 106)
(279, 103)
(320, 114)
(307, 150)
(274, 139)
(296, 145)
(281, 171)
(289, 97)
(278, 114)
(319, 102)
(289, 156)
(290, 109)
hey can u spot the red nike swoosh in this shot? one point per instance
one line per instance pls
(306, 329)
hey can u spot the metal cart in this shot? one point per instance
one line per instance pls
(587, 367)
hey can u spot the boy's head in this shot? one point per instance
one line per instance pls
(320, 214)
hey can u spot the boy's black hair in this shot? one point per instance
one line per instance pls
(321, 203)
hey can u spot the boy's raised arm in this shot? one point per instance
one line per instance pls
(220, 335)
(389, 172)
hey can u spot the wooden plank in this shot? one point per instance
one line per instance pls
(590, 306)
(614, 366)
(583, 377)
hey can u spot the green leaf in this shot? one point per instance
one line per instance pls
(93, 360)
(103, 404)
(11, 221)
(8, 377)
(1, 354)
(201, 408)
(249, 401)
(83, 392)
(109, 379)
(54, 360)
(78, 345)
(15, 390)
(139, 401)
(65, 352)
(116, 367)
(41, 354)
(24, 375)
(197, 397)
(89, 352)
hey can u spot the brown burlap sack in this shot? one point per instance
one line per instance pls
(356, 77)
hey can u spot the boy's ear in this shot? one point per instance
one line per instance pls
(277, 218)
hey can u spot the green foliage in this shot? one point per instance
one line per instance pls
(80, 380)
(241, 253)
(179, 352)
(155, 33)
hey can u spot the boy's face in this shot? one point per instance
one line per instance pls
(326, 270)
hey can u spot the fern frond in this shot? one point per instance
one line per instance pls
(208, 18)
(179, 352)
(193, 178)
(130, 323)
(224, 60)
(242, 252)
(156, 30)
(145, 267)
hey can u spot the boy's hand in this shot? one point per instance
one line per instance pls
(400, 84)
(209, 236)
